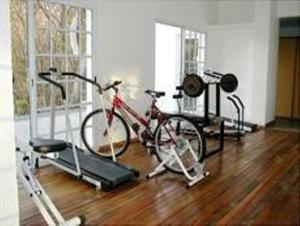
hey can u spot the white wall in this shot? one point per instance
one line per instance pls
(272, 64)
(262, 71)
(9, 212)
(126, 36)
(235, 12)
(230, 50)
(288, 8)
(125, 43)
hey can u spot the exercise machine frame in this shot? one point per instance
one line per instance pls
(42, 201)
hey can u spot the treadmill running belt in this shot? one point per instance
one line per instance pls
(97, 167)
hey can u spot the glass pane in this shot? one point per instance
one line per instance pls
(86, 109)
(60, 136)
(74, 114)
(58, 16)
(42, 65)
(194, 68)
(43, 95)
(73, 64)
(58, 42)
(73, 92)
(71, 18)
(42, 14)
(187, 49)
(43, 124)
(42, 41)
(194, 49)
(201, 56)
(83, 92)
(60, 64)
(60, 121)
(73, 43)
(202, 40)
(58, 95)
(82, 23)
(86, 70)
(83, 66)
(200, 69)
(83, 43)
(85, 23)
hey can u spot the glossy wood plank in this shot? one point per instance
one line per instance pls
(255, 181)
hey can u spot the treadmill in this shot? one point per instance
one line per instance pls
(103, 173)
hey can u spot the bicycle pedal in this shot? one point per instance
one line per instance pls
(152, 150)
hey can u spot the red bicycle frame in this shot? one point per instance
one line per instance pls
(123, 108)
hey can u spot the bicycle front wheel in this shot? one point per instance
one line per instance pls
(95, 136)
(184, 136)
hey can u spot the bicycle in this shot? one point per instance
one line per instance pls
(174, 130)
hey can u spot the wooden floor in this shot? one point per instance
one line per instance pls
(255, 182)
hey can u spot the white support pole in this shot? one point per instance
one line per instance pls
(108, 128)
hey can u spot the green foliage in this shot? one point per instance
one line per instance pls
(21, 107)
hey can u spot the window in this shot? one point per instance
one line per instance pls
(193, 63)
(63, 39)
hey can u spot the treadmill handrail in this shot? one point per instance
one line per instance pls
(44, 76)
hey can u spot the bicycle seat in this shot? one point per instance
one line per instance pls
(179, 88)
(177, 96)
(155, 94)
(45, 146)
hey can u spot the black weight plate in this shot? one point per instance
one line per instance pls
(229, 83)
(193, 85)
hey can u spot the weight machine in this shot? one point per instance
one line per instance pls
(194, 86)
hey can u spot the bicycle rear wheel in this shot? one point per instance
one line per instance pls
(95, 137)
(183, 135)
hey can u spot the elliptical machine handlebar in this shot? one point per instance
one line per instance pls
(93, 82)
(45, 76)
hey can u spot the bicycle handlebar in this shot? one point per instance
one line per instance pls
(115, 83)
(44, 76)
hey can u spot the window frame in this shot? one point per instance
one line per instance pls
(33, 56)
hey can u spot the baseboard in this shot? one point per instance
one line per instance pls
(270, 123)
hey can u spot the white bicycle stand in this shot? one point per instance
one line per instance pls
(47, 208)
(198, 173)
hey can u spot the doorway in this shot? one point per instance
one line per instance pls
(288, 82)
(178, 51)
